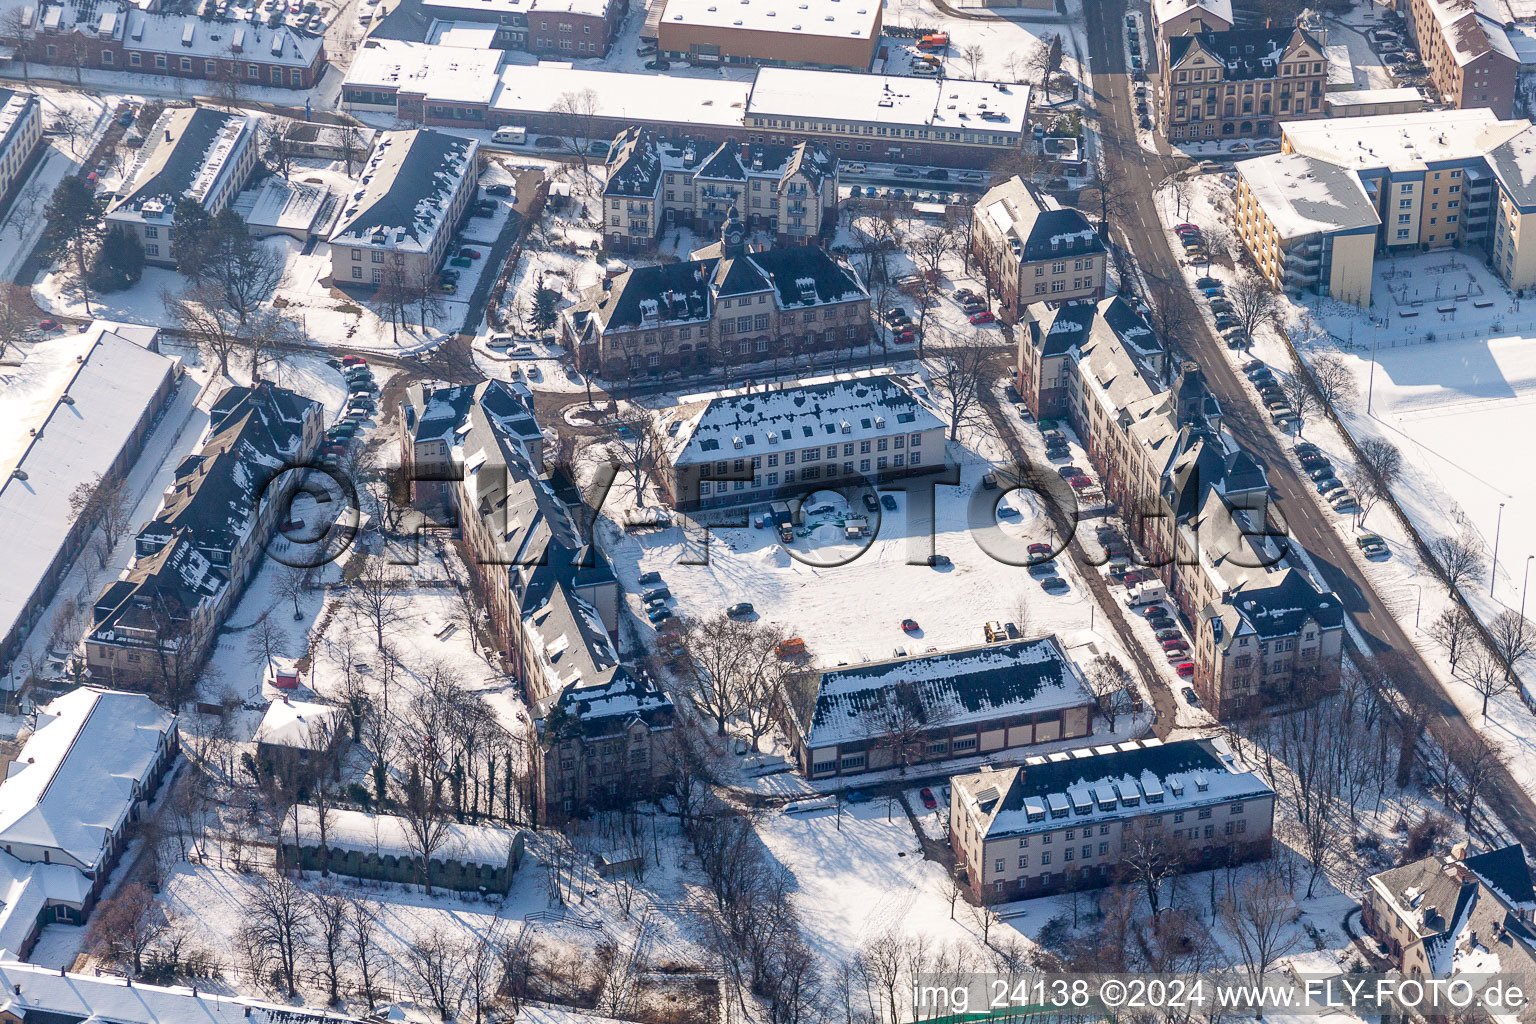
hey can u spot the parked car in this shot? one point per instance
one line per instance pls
(888, 502)
(1371, 544)
(1321, 472)
(927, 797)
(1169, 634)
(649, 579)
(1328, 484)
(909, 626)
(741, 610)
(934, 561)
(870, 503)
(658, 614)
(857, 796)
(658, 594)
(1189, 693)
(984, 316)
(1054, 585)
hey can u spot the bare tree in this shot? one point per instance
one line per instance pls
(1459, 559)
(972, 54)
(481, 957)
(108, 506)
(426, 824)
(1478, 763)
(1299, 392)
(928, 248)
(15, 308)
(124, 926)
(436, 963)
(1110, 685)
(266, 641)
(1254, 303)
(375, 601)
(293, 582)
(577, 115)
(1486, 675)
(326, 943)
(200, 312)
(367, 959)
(1260, 916)
(1334, 381)
(1380, 466)
(1115, 191)
(1151, 858)
(961, 380)
(715, 649)
(277, 921)
(1511, 639)
(900, 723)
(15, 28)
(279, 144)
(636, 445)
(1455, 631)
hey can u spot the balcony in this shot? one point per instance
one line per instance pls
(1300, 278)
(1302, 260)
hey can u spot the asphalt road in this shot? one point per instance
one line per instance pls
(1309, 523)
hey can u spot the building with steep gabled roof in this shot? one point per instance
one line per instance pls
(1068, 821)
(656, 183)
(397, 225)
(190, 154)
(726, 304)
(194, 558)
(1032, 250)
(1240, 83)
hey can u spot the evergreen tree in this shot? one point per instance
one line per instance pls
(73, 232)
(1054, 58)
(192, 242)
(543, 308)
(119, 263)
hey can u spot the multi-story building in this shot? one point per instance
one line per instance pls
(560, 29)
(1457, 915)
(1188, 17)
(1068, 822)
(1309, 224)
(21, 131)
(999, 698)
(655, 184)
(195, 557)
(1031, 250)
(747, 445)
(1432, 179)
(896, 118)
(726, 305)
(841, 34)
(1194, 500)
(1470, 57)
(73, 794)
(1240, 83)
(117, 36)
(91, 401)
(605, 729)
(397, 227)
(421, 82)
(194, 154)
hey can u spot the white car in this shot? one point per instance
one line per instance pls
(510, 135)
(498, 339)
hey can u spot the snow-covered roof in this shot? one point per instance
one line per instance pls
(389, 835)
(1372, 97)
(69, 410)
(645, 99)
(638, 159)
(29, 991)
(589, 8)
(15, 107)
(955, 689)
(839, 19)
(1473, 28)
(1304, 195)
(741, 423)
(898, 101)
(189, 153)
(300, 725)
(407, 187)
(1514, 163)
(1401, 142)
(26, 889)
(1035, 227)
(188, 36)
(77, 776)
(279, 205)
(1218, 11)
(447, 71)
(1105, 783)
(474, 35)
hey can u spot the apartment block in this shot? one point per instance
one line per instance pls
(1240, 83)
(1172, 18)
(748, 445)
(21, 132)
(1031, 250)
(1470, 57)
(1069, 821)
(655, 184)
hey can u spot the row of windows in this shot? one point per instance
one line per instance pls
(881, 464)
(210, 67)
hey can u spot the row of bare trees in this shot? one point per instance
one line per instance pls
(734, 669)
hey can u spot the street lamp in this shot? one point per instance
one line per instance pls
(1525, 585)
(1498, 527)
(1419, 606)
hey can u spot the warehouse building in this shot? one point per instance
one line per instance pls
(839, 34)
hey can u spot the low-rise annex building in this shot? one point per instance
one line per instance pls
(1069, 821)
(1032, 250)
(191, 154)
(840, 34)
(937, 707)
(397, 226)
(656, 184)
(384, 848)
(746, 445)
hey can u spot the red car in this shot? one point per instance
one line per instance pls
(1186, 228)
(290, 526)
(334, 449)
(1133, 577)
(1155, 611)
(905, 338)
(1039, 549)
(909, 625)
(928, 800)
(353, 361)
(1175, 645)
(49, 324)
(983, 317)
(469, 254)
(1079, 482)
(1185, 669)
